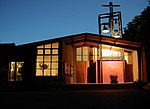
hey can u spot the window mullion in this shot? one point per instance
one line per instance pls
(43, 61)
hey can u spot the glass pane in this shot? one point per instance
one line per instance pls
(19, 71)
(47, 58)
(78, 58)
(115, 54)
(12, 71)
(55, 51)
(54, 72)
(48, 46)
(106, 52)
(38, 65)
(95, 51)
(85, 50)
(42, 66)
(55, 65)
(85, 58)
(54, 58)
(40, 46)
(111, 51)
(47, 51)
(78, 51)
(40, 51)
(38, 72)
(55, 45)
(39, 58)
(47, 64)
(46, 72)
(119, 54)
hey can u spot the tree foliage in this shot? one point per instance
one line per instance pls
(139, 28)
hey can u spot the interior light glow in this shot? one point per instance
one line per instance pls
(106, 52)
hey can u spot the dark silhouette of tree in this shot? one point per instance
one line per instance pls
(139, 30)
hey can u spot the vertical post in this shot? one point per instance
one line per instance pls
(139, 64)
(15, 71)
(99, 24)
(111, 20)
(120, 24)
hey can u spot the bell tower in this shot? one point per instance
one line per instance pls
(111, 22)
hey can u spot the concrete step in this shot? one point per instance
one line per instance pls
(57, 86)
(99, 86)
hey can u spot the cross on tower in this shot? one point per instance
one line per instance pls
(111, 6)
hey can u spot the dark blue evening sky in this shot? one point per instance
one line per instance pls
(25, 21)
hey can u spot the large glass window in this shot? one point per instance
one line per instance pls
(87, 53)
(47, 60)
(111, 52)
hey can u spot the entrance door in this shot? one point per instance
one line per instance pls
(112, 67)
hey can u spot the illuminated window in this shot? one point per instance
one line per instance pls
(78, 54)
(54, 45)
(38, 72)
(85, 54)
(40, 51)
(48, 46)
(55, 58)
(40, 58)
(42, 46)
(47, 60)
(94, 53)
(111, 52)
(82, 54)
(55, 51)
(47, 51)
(16, 71)
(46, 72)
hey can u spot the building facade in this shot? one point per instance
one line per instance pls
(77, 59)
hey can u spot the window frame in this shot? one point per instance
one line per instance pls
(48, 52)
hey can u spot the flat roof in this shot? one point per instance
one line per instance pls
(91, 39)
(94, 39)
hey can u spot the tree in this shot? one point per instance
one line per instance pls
(139, 30)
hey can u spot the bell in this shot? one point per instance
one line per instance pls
(105, 30)
(117, 35)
